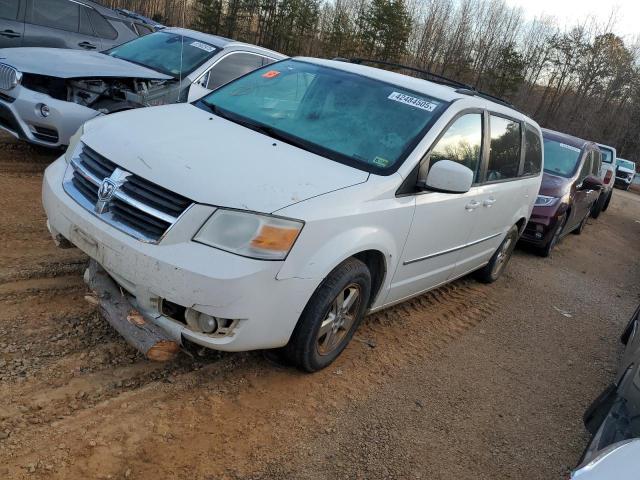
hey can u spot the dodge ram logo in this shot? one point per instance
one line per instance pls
(108, 189)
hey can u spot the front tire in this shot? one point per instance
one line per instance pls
(331, 317)
(553, 241)
(598, 206)
(578, 230)
(606, 204)
(492, 270)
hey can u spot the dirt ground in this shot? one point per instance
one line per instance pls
(467, 382)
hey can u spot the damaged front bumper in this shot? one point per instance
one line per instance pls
(21, 114)
(183, 273)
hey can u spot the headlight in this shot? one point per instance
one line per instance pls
(544, 201)
(250, 234)
(74, 144)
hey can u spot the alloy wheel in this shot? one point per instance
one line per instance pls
(339, 319)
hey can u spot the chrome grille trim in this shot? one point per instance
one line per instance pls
(9, 77)
(129, 215)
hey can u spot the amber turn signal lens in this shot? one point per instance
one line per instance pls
(275, 238)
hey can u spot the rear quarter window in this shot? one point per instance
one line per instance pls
(101, 26)
(533, 151)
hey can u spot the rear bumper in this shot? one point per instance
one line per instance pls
(20, 115)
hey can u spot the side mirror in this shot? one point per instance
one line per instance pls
(592, 183)
(448, 177)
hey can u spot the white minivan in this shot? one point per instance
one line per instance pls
(281, 208)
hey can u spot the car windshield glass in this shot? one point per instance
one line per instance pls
(607, 155)
(169, 53)
(560, 158)
(626, 164)
(346, 117)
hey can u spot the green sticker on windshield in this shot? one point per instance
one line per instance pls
(381, 162)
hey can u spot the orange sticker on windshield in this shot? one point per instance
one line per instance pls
(271, 74)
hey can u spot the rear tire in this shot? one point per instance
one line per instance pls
(492, 270)
(331, 317)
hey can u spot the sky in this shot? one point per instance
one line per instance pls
(569, 12)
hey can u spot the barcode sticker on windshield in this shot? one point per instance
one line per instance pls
(413, 101)
(569, 147)
(203, 46)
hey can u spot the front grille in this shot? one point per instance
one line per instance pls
(138, 207)
(8, 77)
(45, 134)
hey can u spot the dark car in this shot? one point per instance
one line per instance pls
(615, 415)
(63, 24)
(570, 186)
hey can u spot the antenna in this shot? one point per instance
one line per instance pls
(184, 7)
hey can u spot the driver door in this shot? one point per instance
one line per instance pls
(442, 222)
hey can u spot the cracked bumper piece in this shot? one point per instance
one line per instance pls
(260, 310)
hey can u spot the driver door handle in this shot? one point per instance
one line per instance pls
(489, 202)
(87, 45)
(472, 205)
(10, 34)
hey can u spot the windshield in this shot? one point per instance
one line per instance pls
(346, 117)
(626, 164)
(560, 158)
(607, 155)
(168, 53)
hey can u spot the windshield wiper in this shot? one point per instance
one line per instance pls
(261, 128)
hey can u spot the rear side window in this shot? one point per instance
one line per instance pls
(9, 9)
(233, 66)
(533, 151)
(61, 14)
(504, 156)
(461, 143)
(101, 26)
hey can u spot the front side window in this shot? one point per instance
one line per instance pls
(586, 167)
(9, 9)
(532, 152)
(607, 155)
(461, 143)
(169, 53)
(559, 158)
(61, 14)
(340, 115)
(233, 66)
(504, 156)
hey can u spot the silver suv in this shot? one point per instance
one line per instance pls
(63, 24)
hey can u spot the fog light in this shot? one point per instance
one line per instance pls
(200, 322)
(44, 110)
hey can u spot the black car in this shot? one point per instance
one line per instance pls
(615, 415)
(64, 24)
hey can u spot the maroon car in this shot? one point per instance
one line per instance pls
(570, 186)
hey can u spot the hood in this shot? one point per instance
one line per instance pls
(64, 63)
(555, 185)
(214, 161)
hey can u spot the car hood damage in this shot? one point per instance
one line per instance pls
(63, 63)
(214, 161)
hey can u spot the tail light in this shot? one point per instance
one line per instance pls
(607, 177)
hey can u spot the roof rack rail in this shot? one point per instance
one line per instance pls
(462, 88)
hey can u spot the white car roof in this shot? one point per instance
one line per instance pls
(436, 90)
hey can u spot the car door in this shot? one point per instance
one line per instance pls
(11, 23)
(226, 68)
(583, 197)
(502, 192)
(442, 222)
(59, 23)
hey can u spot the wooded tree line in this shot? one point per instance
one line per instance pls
(584, 80)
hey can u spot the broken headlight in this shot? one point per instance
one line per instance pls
(252, 235)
